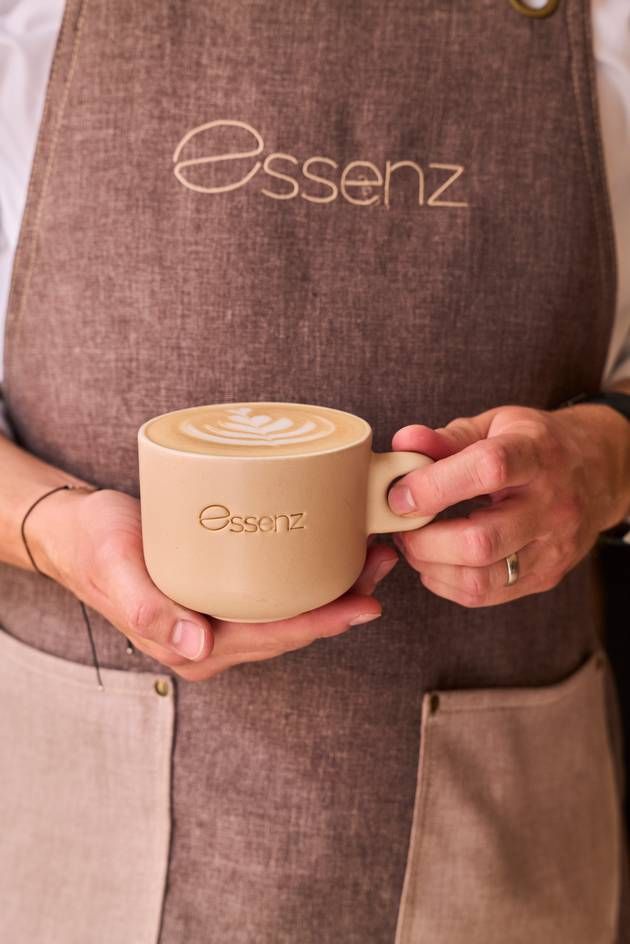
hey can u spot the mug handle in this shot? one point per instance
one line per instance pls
(384, 467)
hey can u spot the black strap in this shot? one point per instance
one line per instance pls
(615, 398)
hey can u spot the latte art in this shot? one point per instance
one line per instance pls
(244, 427)
(257, 429)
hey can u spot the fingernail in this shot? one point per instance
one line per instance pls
(364, 618)
(383, 569)
(401, 500)
(188, 639)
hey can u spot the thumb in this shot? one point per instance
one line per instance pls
(141, 608)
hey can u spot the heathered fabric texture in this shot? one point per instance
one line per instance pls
(86, 785)
(293, 780)
(564, 868)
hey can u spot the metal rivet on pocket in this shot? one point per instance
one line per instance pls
(162, 687)
(434, 703)
(535, 7)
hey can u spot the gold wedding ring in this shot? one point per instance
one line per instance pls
(511, 563)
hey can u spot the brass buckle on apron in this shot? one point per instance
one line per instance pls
(522, 7)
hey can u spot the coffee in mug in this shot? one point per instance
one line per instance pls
(260, 511)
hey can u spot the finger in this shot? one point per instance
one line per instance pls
(235, 643)
(486, 466)
(445, 440)
(457, 595)
(481, 582)
(141, 608)
(380, 560)
(482, 538)
(418, 438)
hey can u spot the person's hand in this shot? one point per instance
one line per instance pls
(92, 545)
(554, 481)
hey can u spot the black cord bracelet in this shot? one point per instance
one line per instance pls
(58, 488)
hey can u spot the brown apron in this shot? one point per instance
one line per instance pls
(396, 209)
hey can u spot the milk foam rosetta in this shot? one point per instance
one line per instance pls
(244, 427)
(257, 429)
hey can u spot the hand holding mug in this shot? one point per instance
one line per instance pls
(261, 511)
(555, 480)
(92, 545)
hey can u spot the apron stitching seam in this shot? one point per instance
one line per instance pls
(543, 702)
(61, 678)
(170, 772)
(425, 775)
(406, 905)
(545, 695)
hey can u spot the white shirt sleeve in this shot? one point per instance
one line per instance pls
(28, 32)
(611, 47)
(620, 369)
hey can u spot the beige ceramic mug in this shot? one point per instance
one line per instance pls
(260, 511)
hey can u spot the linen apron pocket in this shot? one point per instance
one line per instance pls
(84, 800)
(516, 826)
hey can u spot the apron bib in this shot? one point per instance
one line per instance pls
(394, 209)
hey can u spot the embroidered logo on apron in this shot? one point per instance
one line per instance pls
(357, 177)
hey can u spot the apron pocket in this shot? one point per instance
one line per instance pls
(516, 825)
(84, 799)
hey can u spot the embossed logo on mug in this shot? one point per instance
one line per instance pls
(242, 427)
(220, 518)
